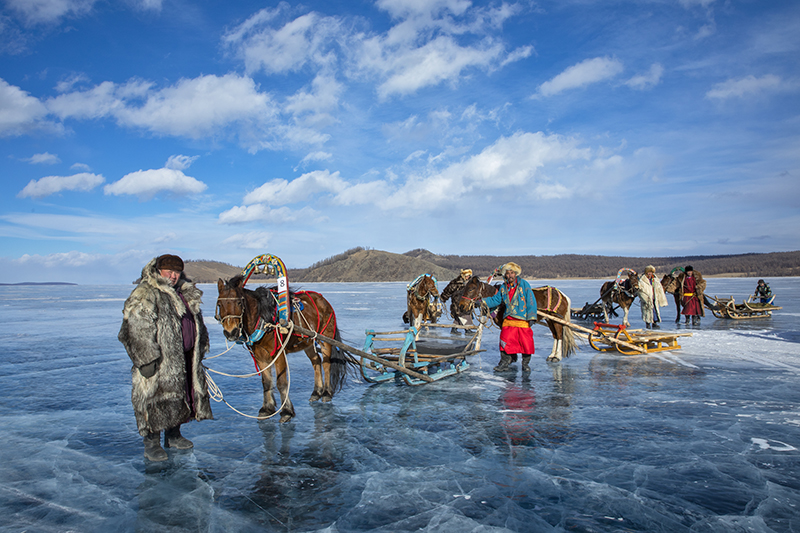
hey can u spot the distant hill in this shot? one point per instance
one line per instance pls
(362, 265)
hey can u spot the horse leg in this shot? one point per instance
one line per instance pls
(282, 374)
(556, 330)
(677, 306)
(268, 408)
(317, 363)
(605, 310)
(625, 317)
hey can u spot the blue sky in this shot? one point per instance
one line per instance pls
(224, 130)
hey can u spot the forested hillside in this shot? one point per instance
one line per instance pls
(360, 264)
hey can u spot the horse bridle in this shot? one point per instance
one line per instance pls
(240, 316)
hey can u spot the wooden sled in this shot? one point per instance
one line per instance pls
(401, 356)
(728, 308)
(607, 337)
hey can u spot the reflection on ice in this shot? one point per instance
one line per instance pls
(701, 439)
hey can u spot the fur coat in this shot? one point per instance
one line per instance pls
(151, 331)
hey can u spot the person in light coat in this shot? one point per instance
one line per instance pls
(652, 297)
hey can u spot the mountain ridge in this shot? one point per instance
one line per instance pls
(368, 265)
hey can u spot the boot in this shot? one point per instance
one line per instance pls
(174, 439)
(505, 359)
(455, 331)
(655, 325)
(687, 320)
(526, 363)
(152, 447)
(696, 320)
(647, 325)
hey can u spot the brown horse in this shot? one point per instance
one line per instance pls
(422, 301)
(246, 314)
(548, 299)
(622, 292)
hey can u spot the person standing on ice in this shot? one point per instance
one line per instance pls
(692, 289)
(165, 337)
(651, 295)
(516, 335)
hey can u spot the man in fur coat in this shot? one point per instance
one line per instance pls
(458, 283)
(651, 295)
(165, 337)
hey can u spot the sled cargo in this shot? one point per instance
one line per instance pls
(728, 308)
(607, 337)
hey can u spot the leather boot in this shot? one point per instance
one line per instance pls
(526, 363)
(152, 447)
(174, 439)
(505, 359)
(695, 320)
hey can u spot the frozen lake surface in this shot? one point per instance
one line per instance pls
(704, 439)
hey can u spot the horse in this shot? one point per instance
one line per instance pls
(246, 315)
(670, 284)
(422, 301)
(620, 292)
(548, 299)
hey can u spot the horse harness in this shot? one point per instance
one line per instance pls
(262, 325)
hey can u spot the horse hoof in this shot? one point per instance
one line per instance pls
(285, 418)
(264, 413)
(553, 359)
(314, 398)
(326, 398)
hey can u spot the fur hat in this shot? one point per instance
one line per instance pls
(169, 262)
(511, 266)
(688, 268)
(649, 268)
(467, 272)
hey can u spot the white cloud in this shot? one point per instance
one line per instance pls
(254, 240)
(306, 39)
(584, 73)
(317, 156)
(54, 184)
(429, 8)
(520, 53)
(80, 166)
(263, 213)
(745, 86)
(180, 162)
(511, 162)
(648, 80)
(193, 108)
(147, 183)
(49, 11)
(66, 259)
(281, 191)
(438, 60)
(691, 3)
(43, 159)
(19, 111)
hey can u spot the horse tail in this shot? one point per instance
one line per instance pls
(568, 343)
(341, 362)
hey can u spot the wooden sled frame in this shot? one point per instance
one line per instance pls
(607, 337)
(728, 308)
(434, 366)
